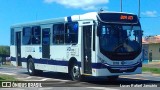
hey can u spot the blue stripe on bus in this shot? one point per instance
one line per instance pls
(65, 63)
(46, 61)
(13, 59)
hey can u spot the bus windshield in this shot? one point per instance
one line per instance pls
(117, 38)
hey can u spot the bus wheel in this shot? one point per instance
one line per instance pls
(75, 72)
(31, 68)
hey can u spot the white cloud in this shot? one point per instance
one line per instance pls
(83, 4)
(150, 13)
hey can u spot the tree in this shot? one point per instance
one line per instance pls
(5, 50)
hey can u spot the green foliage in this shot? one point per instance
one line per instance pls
(152, 70)
(7, 78)
(5, 50)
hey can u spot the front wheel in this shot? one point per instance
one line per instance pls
(75, 72)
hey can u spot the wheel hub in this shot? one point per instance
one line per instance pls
(76, 71)
(30, 67)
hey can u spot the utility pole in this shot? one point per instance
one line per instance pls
(139, 10)
(121, 5)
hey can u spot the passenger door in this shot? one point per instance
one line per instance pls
(46, 43)
(18, 48)
(87, 38)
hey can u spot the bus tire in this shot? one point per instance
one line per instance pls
(31, 68)
(75, 72)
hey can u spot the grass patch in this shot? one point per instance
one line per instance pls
(7, 78)
(152, 70)
(5, 65)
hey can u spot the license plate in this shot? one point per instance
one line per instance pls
(122, 69)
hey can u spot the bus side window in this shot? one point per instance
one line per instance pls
(27, 35)
(12, 36)
(36, 35)
(58, 34)
(71, 33)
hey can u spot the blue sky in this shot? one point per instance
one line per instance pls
(20, 11)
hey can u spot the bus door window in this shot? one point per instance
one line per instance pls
(12, 37)
(46, 39)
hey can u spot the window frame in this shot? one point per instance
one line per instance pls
(72, 33)
(23, 35)
(60, 33)
(34, 35)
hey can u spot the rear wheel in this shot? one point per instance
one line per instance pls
(75, 72)
(31, 67)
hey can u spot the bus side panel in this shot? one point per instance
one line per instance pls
(34, 51)
(13, 55)
(59, 55)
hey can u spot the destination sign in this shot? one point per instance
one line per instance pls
(118, 18)
(125, 17)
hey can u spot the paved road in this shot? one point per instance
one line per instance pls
(51, 79)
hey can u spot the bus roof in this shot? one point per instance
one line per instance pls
(86, 16)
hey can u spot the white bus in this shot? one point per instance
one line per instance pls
(99, 44)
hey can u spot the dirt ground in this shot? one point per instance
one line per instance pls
(152, 65)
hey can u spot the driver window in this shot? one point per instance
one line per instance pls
(137, 34)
